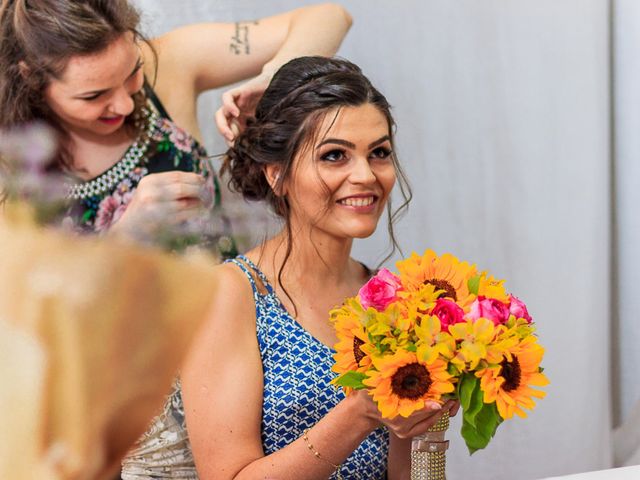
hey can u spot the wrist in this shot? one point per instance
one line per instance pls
(268, 70)
(363, 410)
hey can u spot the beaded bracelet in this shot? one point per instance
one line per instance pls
(305, 437)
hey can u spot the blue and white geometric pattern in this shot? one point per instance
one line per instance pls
(297, 392)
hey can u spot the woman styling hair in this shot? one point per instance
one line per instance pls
(125, 106)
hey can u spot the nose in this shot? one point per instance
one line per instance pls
(362, 173)
(122, 103)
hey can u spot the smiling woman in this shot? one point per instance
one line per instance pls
(341, 185)
(320, 151)
(95, 92)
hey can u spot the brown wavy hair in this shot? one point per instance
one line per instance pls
(38, 37)
(287, 120)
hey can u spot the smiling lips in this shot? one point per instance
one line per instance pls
(359, 202)
(111, 120)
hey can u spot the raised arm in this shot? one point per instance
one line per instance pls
(218, 54)
(204, 56)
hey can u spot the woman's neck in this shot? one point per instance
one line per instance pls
(312, 259)
(94, 154)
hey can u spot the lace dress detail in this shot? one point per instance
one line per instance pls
(297, 390)
(164, 450)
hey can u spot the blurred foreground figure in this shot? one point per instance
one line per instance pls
(91, 335)
(92, 330)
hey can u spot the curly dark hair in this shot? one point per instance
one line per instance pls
(287, 119)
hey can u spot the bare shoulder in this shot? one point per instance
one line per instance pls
(235, 292)
(227, 351)
(230, 322)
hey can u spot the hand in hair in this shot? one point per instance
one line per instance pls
(238, 104)
(162, 199)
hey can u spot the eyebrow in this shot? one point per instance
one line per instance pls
(97, 92)
(347, 144)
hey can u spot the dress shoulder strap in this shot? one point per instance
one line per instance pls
(257, 271)
(151, 95)
(251, 271)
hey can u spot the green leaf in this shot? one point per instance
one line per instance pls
(411, 347)
(88, 215)
(472, 438)
(466, 387)
(476, 405)
(473, 284)
(487, 420)
(479, 435)
(352, 379)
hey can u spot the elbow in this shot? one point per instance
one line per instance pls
(346, 16)
(340, 13)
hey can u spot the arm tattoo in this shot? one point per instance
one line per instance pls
(240, 40)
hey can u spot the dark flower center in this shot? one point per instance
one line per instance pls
(358, 354)
(411, 381)
(511, 373)
(449, 291)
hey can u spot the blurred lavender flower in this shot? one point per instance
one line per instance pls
(32, 146)
(25, 154)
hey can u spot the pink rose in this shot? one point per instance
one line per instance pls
(518, 308)
(380, 291)
(489, 308)
(448, 312)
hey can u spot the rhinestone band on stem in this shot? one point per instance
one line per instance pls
(428, 452)
(120, 170)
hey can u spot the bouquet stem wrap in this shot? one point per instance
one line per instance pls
(428, 452)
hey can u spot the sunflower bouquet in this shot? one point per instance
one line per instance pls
(439, 329)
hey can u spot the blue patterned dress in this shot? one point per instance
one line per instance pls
(297, 392)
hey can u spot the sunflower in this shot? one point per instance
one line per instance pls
(445, 273)
(348, 321)
(509, 382)
(402, 383)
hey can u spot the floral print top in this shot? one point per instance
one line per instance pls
(100, 202)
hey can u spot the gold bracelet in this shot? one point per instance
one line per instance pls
(305, 437)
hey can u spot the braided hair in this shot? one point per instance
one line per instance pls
(286, 121)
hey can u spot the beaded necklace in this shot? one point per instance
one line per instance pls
(131, 159)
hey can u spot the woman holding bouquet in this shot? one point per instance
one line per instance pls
(256, 386)
(125, 107)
